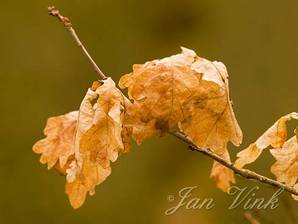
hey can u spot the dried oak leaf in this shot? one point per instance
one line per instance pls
(187, 91)
(81, 144)
(140, 130)
(58, 146)
(286, 166)
(212, 123)
(275, 136)
(99, 140)
(159, 90)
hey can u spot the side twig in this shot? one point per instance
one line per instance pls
(67, 24)
(241, 172)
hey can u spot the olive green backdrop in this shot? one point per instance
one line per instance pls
(43, 74)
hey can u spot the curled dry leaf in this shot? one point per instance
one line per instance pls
(159, 90)
(139, 129)
(275, 136)
(58, 146)
(212, 122)
(98, 141)
(86, 141)
(286, 166)
(183, 91)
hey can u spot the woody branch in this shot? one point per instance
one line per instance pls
(247, 174)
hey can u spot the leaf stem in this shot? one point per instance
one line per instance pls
(67, 24)
(250, 175)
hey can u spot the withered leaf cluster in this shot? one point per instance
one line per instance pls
(182, 92)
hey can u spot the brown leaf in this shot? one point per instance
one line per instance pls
(139, 130)
(98, 141)
(86, 178)
(82, 144)
(159, 90)
(212, 122)
(58, 146)
(182, 90)
(63, 169)
(275, 136)
(188, 89)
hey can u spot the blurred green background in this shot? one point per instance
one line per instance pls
(44, 74)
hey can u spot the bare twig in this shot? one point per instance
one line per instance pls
(241, 172)
(67, 24)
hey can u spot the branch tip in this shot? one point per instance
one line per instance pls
(53, 11)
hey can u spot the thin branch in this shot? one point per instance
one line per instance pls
(241, 172)
(67, 24)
